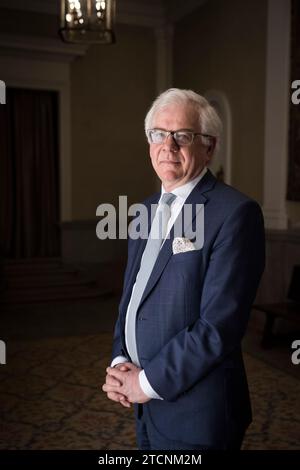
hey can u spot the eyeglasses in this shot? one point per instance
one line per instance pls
(182, 138)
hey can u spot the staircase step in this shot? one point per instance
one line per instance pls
(42, 298)
(43, 280)
(23, 282)
(32, 261)
(36, 269)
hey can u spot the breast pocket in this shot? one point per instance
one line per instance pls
(190, 256)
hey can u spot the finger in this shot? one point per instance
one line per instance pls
(111, 388)
(114, 396)
(126, 405)
(131, 366)
(116, 373)
(128, 365)
(112, 381)
(124, 402)
(118, 397)
(122, 365)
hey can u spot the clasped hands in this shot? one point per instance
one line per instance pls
(122, 384)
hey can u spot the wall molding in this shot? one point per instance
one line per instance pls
(41, 48)
(277, 113)
(164, 57)
(219, 98)
(177, 10)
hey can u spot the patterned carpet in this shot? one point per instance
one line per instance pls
(51, 398)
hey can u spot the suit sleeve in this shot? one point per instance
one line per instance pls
(236, 263)
(117, 348)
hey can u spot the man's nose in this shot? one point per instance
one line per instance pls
(171, 144)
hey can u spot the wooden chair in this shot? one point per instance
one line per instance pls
(289, 310)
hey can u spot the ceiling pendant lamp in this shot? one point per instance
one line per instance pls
(88, 21)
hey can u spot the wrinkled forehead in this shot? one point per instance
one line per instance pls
(176, 116)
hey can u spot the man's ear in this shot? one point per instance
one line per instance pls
(209, 151)
(211, 148)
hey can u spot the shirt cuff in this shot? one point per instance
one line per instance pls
(146, 387)
(118, 360)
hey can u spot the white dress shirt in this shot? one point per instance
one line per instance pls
(181, 193)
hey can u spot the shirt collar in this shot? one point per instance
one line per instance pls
(182, 192)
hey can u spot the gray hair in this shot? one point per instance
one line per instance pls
(209, 120)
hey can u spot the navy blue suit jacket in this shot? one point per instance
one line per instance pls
(192, 317)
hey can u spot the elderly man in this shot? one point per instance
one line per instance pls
(184, 309)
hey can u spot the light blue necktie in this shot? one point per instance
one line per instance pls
(156, 237)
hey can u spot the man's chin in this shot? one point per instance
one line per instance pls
(171, 176)
(171, 179)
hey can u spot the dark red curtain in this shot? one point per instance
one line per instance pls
(29, 174)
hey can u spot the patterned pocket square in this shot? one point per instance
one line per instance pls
(181, 245)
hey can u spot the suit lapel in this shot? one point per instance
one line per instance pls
(135, 260)
(197, 196)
